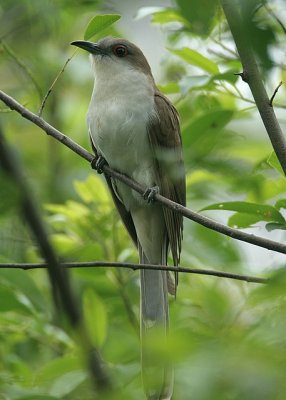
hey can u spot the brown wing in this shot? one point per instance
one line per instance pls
(124, 214)
(165, 138)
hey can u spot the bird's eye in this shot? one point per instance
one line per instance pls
(120, 50)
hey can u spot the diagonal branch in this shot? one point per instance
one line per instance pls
(135, 267)
(252, 76)
(186, 212)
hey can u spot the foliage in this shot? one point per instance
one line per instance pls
(226, 338)
(98, 24)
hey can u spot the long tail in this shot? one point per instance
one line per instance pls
(154, 315)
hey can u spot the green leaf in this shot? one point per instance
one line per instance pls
(228, 76)
(10, 301)
(194, 58)
(242, 220)
(274, 163)
(213, 249)
(167, 16)
(64, 243)
(206, 127)
(65, 384)
(280, 204)
(193, 82)
(60, 366)
(95, 317)
(71, 209)
(92, 189)
(99, 23)
(258, 31)
(262, 212)
(169, 88)
(161, 15)
(201, 14)
(21, 282)
(272, 226)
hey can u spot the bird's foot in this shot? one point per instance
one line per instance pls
(97, 163)
(150, 194)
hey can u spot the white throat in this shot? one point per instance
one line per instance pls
(120, 80)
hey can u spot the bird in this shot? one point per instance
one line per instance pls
(134, 128)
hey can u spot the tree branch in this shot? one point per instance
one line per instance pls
(186, 212)
(135, 267)
(62, 291)
(252, 76)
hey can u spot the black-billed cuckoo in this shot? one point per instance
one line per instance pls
(135, 129)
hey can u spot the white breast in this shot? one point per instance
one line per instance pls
(120, 108)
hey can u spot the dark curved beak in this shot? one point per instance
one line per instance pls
(92, 48)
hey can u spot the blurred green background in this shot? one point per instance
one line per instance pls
(227, 338)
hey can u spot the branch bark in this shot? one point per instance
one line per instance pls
(252, 76)
(135, 267)
(200, 219)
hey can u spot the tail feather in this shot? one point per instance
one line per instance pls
(157, 375)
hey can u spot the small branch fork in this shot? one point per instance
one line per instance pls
(186, 212)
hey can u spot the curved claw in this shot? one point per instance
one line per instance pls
(150, 194)
(97, 163)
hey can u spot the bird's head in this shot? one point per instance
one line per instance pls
(115, 55)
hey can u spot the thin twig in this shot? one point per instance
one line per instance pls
(186, 212)
(275, 92)
(221, 55)
(53, 84)
(242, 98)
(135, 267)
(226, 48)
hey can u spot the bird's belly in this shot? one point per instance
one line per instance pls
(123, 141)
